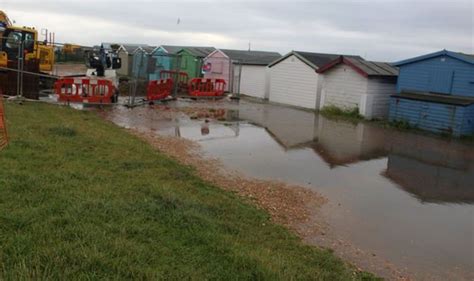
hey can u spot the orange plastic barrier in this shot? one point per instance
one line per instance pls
(199, 87)
(85, 90)
(3, 126)
(180, 78)
(159, 89)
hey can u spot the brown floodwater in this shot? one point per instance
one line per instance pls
(403, 197)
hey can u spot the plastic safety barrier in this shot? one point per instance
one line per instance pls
(179, 77)
(159, 89)
(85, 90)
(3, 126)
(199, 87)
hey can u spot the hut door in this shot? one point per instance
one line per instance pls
(441, 81)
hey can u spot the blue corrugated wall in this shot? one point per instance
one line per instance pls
(432, 116)
(468, 121)
(441, 73)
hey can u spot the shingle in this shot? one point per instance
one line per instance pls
(251, 57)
(173, 49)
(469, 56)
(196, 51)
(130, 48)
(320, 59)
(149, 49)
(200, 51)
(372, 68)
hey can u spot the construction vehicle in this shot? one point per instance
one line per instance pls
(4, 22)
(21, 51)
(18, 40)
(26, 66)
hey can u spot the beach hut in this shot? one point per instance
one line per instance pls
(244, 71)
(143, 63)
(164, 58)
(125, 52)
(191, 59)
(351, 82)
(435, 92)
(294, 80)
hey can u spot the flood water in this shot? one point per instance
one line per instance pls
(403, 197)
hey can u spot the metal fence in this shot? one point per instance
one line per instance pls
(25, 77)
(25, 73)
(141, 67)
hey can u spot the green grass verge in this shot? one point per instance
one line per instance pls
(353, 116)
(82, 199)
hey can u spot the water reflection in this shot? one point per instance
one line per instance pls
(289, 127)
(433, 170)
(342, 143)
(407, 197)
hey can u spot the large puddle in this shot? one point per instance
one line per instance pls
(403, 197)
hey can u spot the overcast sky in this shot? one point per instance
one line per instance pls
(387, 30)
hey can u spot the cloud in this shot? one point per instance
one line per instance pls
(382, 30)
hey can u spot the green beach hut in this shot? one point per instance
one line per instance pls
(190, 59)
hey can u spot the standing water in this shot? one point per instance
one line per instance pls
(403, 197)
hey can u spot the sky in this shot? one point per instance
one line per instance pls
(383, 30)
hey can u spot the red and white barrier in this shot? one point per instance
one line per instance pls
(85, 90)
(200, 87)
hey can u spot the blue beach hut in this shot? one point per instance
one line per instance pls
(435, 92)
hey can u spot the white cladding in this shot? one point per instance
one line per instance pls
(345, 88)
(254, 81)
(294, 83)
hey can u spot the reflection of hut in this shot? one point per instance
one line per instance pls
(288, 126)
(342, 143)
(433, 170)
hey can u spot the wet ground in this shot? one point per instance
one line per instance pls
(401, 198)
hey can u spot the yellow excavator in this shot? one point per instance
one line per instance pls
(23, 39)
(22, 52)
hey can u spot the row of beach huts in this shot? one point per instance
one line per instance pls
(433, 92)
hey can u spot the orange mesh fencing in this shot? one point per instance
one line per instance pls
(3, 125)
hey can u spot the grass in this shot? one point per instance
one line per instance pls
(82, 199)
(353, 116)
(400, 125)
(335, 112)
